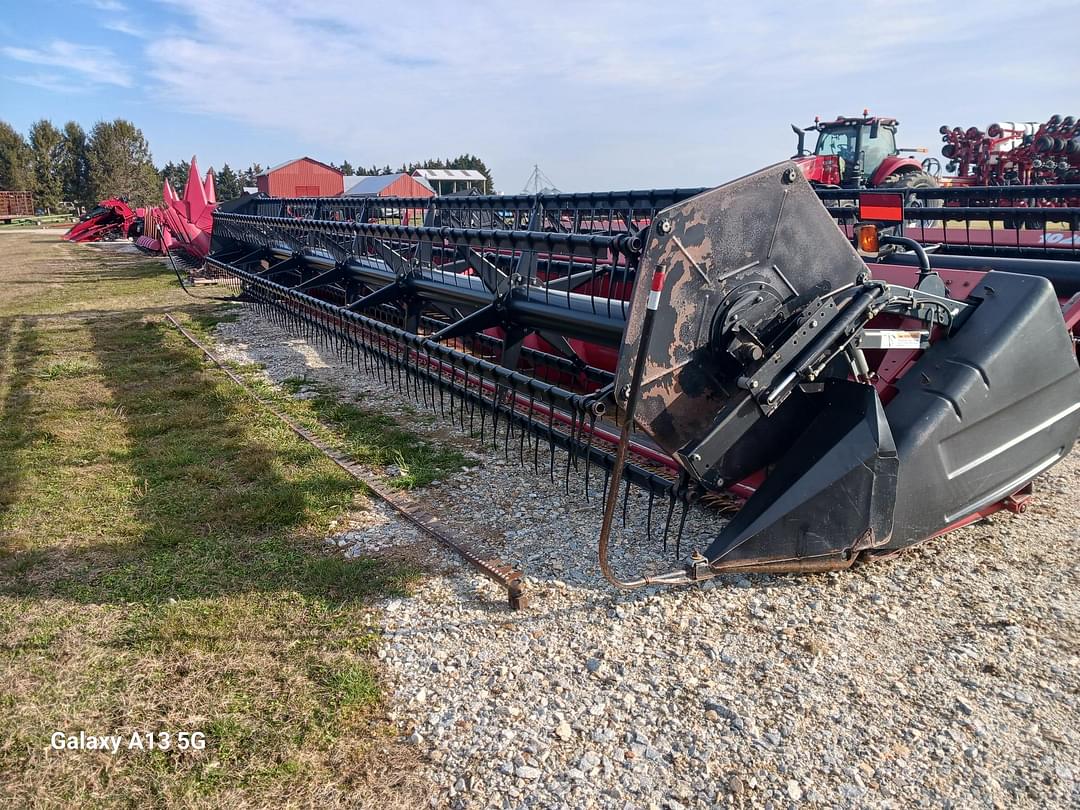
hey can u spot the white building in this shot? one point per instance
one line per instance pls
(450, 181)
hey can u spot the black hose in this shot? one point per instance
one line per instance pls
(916, 248)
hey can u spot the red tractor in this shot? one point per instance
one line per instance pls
(859, 153)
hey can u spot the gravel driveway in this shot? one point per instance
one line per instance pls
(945, 678)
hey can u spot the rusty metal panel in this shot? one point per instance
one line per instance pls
(740, 259)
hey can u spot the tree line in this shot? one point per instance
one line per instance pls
(70, 166)
(73, 166)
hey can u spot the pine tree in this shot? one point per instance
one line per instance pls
(16, 160)
(120, 163)
(176, 174)
(47, 151)
(75, 167)
(247, 177)
(227, 184)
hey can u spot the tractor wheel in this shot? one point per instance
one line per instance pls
(915, 179)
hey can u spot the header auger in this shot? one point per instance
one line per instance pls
(705, 346)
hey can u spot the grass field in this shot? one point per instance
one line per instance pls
(162, 562)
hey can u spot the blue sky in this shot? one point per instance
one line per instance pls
(601, 94)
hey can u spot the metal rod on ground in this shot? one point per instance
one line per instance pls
(495, 570)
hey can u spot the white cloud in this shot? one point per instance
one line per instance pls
(108, 5)
(652, 93)
(123, 27)
(92, 63)
(46, 81)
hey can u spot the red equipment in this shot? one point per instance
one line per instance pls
(858, 152)
(1014, 153)
(111, 219)
(743, 349)
(185, 221)
(182, 224)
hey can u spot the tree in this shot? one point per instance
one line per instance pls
(247, 177)
(227, 184)
(176, 174)
(47, 150)
(74, 166)
(120, 163)
(346, 168)
(16, 160)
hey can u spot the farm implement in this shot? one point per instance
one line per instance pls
(110, 219)
(179, 228)
(1014, 152)
(16, 205)
(726, 351)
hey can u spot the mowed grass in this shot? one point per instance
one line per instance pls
(162, 564)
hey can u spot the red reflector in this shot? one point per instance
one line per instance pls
(879, 207)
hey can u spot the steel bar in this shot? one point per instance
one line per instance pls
(497, 571)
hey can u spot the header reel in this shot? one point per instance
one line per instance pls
(756, 355)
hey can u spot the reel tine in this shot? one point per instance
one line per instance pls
(551, 439)
(472, 408)
(685, 505)
(495, 415)
(670, 514)
(523, 432)
(510, 420)
(570, 448)
(442, 390)
(648, 516)
(588, 452)
(483, 409)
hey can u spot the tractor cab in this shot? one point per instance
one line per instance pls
(850, 152)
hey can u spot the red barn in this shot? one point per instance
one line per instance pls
(302, 177)
(391, 185)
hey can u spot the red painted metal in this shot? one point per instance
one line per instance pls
(303, 177)
(187, 221)
(1011, 152)
(111, 219)
(894, 165)
(182, 223)
(959, 233)
(406, 186)
(878, 206)
(821, 169)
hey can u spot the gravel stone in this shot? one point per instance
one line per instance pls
(794, 791)
(866, 688)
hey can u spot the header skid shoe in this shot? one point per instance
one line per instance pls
(751, 363)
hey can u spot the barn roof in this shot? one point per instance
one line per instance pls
(375, 183)
(449, 174)
(296, 160)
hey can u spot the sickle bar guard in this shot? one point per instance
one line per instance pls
(847, 414)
